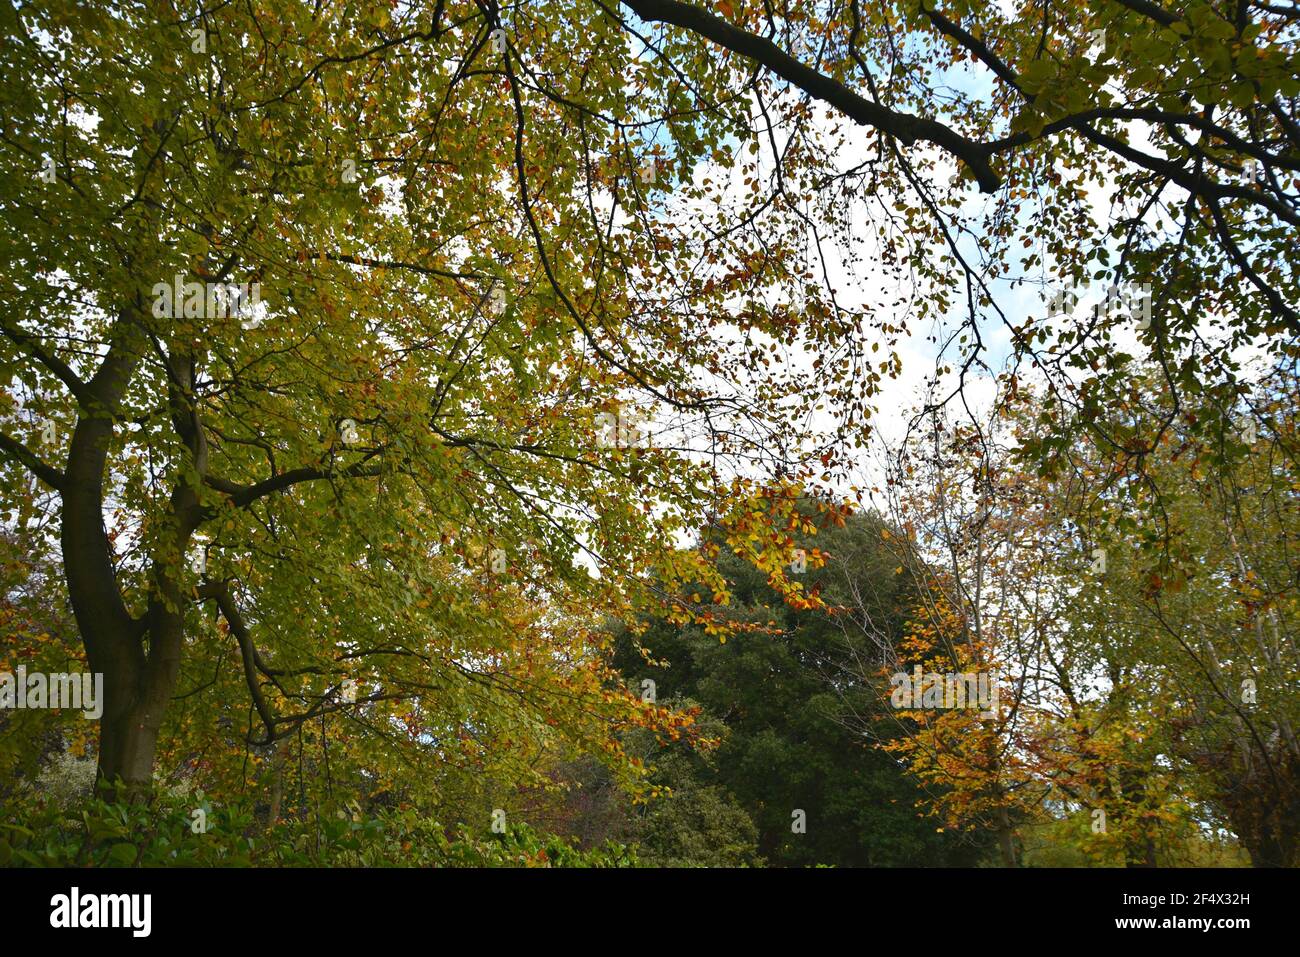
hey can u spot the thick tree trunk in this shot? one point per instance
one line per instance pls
(137, 686)
(126, 754)
(1268, 851)
(1270, 841)
(135, 703)
(1264, 810)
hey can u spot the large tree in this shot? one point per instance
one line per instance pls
(408, 474)
(791, 695)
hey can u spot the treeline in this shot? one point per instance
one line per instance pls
(1139, 623)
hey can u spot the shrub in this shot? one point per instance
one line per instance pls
(170, 832)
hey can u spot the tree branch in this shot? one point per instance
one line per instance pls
(1151, 11)
(25, 456)
(244, 495)
(902, 126)
(230, 611)
(63, 371)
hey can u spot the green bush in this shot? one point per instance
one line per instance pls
(170, 833)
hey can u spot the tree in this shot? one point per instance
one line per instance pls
(1135, 613)
(283, 350)
(782, 691)
(1199, 609)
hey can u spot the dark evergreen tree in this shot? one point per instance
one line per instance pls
(782, 697)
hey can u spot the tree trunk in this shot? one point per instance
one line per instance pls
(126, 754)
(1139, 844)
(1269, 841)
(135, 702)
(113, 640)
(138, 684)
(1006, 839)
